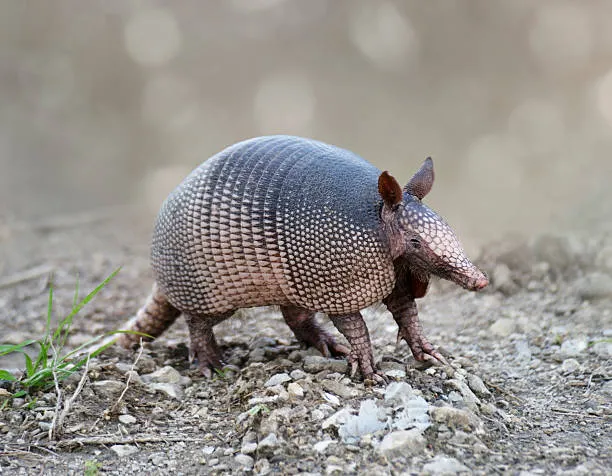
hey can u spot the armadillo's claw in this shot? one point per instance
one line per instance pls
(421, 348)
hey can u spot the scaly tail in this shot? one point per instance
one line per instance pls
(153, 318)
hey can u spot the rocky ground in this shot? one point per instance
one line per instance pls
(528, 390)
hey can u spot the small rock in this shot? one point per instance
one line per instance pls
(402, 443)
(602, 349)
(166, 374)
(145, 365)
(244, 461)
(44, 425)
(369, 420)
(277, 379)
(454, 417)
(331, 398)
(316, 363)
(124, 450)
(337, 419)
(442, 465)
(395, 373)
(317, 415)
(269, 442)
(127, 419)
(606, 389)
(478, 386)
(398, 393)
(295, 390)
(502, 279)
(343, 391)
(572, 348)
(503, 327)
(108, 388)
(208, 450)
(594, 286)
(471, 400)
(170, 389)
(570, 366)
(321, 446)
(298, 374)
(523, 352)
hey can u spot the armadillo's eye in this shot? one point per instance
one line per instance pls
(416, 244)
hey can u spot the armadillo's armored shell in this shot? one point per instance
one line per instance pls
(274, 220)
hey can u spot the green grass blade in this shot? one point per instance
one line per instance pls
(6, 375)
(92, 294)
(29, 365)
(12, 348)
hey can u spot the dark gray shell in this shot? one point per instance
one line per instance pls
(274, 220)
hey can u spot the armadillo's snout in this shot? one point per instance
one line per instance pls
(477, 281)
(481, 282)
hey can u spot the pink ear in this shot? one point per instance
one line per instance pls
(389, 189)
(420, 184)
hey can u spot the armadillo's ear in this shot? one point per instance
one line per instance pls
(389, 189)
(421, 183)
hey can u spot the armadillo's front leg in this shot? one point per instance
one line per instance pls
(305, 327)
(405, 313)
(354, 329)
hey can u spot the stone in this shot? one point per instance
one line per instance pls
(478, 386)
(127, 419)
(295, 390)
(594, 286)
(602, 349)
(269, 442)
(570, 366)
(108, 388)
(457, 418)
(322, 446)
(337, 419)
(170, 389)
(572, 348)
(317, 363)
(277, 379)
(501, 277)
(337, 388)
(471, 400)
(124, 450)
(443, 465)
(298, 374)
(244, 461)
(503, 327)
(369, 420)
(166, 374)
(402, 443)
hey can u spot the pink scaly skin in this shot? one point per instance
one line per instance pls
(360, 358)
(404, 311)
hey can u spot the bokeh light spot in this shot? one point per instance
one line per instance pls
(285, 103)
(152, 37)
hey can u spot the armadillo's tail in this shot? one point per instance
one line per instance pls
(152, 319)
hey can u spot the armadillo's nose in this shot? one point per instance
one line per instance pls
(481, 282)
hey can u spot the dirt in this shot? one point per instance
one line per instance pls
(528, 390)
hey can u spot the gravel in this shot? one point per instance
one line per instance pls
(528, 389)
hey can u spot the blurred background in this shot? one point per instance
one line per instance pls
(110, 102)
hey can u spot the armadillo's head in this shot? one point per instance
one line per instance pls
(420, 235)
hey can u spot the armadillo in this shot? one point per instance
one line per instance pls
(309, 227)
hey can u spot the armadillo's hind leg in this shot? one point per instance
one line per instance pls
(204, 347)
(152, 319)
(354, 329)
(306, 328)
